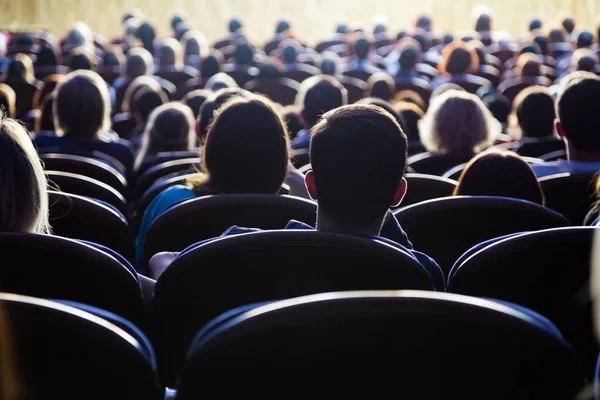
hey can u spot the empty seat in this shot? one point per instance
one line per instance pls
(62, 352)
(436, 163)
(282, 90)
(447, 227)
(207, 217)
(547, 271)
(86, 166)
(229, 272)
(83, 218)
(84, 186)
(59, 268)
(572, 195)
(423, 187)
(388, 344)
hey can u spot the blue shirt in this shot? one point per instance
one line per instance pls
(562, 166)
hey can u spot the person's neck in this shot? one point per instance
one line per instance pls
(582, 156)
(326, 224)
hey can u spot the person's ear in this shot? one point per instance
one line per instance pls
(197, 128)
(400, 192)
(309, 180)
(559, 129)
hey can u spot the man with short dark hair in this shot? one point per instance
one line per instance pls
(578, 123)
(316, 96)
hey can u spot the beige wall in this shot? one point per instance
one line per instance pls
(311, 18)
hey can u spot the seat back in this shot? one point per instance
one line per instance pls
(233, 271)
(423, 187)
(547, 271)
(154, 173)
(242, 74)
(84, 186)
(355, 88)
(208, 217)
(156, 189)
(455, 172)
(24, 92)
(177, 78)
(123, 124)
(79, 217)
(436, 163)
(61, 351)
(59, 268)
(511, 91)
(301, 72)
(282, 90)
(162, 157)
(414, 85)
(572, 195)
(447, 227)
(86, 166)
(435, 345)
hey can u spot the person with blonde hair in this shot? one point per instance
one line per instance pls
(8, 100)
(169, 128)
(458, 122)
(23, 184)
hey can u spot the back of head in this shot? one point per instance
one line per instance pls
(409, 56)
(584, 39)
(170, 53)
(578, 112)
(556, 34)
(145, 101)
(458, 122)
(246, 148)
(270, 71)
(291, 116)
(319, 94)
(135, 86)
(499, 173)
(458, 58)
(80, 59)
(146, 33)
(410, 114)
(329, 65)
(290, 53)
(139, 62)
(499, 106)
(211, 65)
(20, 68)
(528, 65)
(381, 85)
(542, 42)
(244, 54)
(584, 60)
(568, 23)
(535, 112)
(170, 128)
(234, 25)
(424, 22)
(361, 48)
(535, 24)
(82, 105)
(358, 157)
(220, 81)
(423, 38)
(176, 19)
(46, 56)
(195, 99)
(212, 104)
(113, 57)
(23, 185)
(194, 43)
(483, 23)
(282, 26)
(7, 100)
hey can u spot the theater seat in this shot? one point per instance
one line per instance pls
(547, 271)
(162, 157)
(282, 90)
(436, 163)
(64, 352)
(407, 344)
(572, 195)
(208, 217)
(210, 279)
(447, 227)
(423, 187)
(154, 173)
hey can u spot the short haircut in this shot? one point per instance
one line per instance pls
(23, 184)
(499, 173)
(358, 156)
(80, 59)
(535, 112)
(410, 114)
(578, 112)
(458, 122)
(556, 34)
(386, 105)
(170, 53)
(82, 105)
(211, 65)
(381, 85)
(458, 58)
(139, 62)
(319, 94)
(195, 99)
(584, 60)
(535, 24)
(147, 100)
(409, 56)
(289, 54)
(7, 101)
(499, 106)
(528, 65)
(568, 24)
(136, 85)
(20, 67)
(113, 57)
(146, 33)
(584, 39)
(46, 56)
(194, 43)
(291, 116)
(246, 149)
(234, 25)
(361, 48)
(243, 54)
(170, 128)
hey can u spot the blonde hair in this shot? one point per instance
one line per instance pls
(23, 184)
(170, 128)
(9, 99)
(459, 122)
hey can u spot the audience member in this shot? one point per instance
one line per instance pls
(459, 62)
(8, 100)
(381, 85)
(195, 99)
(410, 115)
(144, 101)
(499, 173)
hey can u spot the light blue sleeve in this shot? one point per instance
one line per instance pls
(165, 200)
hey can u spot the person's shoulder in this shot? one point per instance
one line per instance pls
(176, 192)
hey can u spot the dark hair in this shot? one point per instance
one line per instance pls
(7, 101)
(499, 106)
(45, 120)
(20, 68)
(535, 24)
(212, 104)
(291, 116)
(139, 62)
(542, 43)
(269, 71)
(556, 35)
(569, 24)
(243, 54)
(535, 112)
(424, 22)
(169, 53)
(587, 63)
(146, 100)
(46, 56)
(176, 19)
(113, 57)
(422, 37)
(358, 157)
(483, 23)
(282, 26)
(195, 99)
(386, 105)
(578, 112)
(290, 52)
(246, 149)
(328, 67)
(361, 48)
(410, 114)
(319, 94)
(499, 173)
(381, 85)
(409, 56)
(341, 28)
(211, 65)
(458, 58)
(585, 39)
(79, 59)
(234, 25)
(146, 33)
